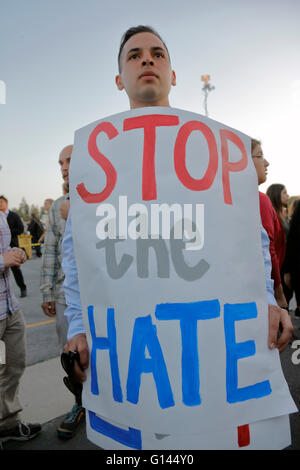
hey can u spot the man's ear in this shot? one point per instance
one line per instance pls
(173, 82)
(119, 82)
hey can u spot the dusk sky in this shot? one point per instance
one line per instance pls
(58, 61)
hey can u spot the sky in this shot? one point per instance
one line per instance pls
(58, 62)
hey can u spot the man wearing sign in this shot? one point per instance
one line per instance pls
(146, 75)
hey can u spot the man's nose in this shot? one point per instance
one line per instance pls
(147, 60)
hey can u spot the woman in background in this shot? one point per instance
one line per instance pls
(271, 224)
(279, 197)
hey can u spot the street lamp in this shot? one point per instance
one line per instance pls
(206, 89)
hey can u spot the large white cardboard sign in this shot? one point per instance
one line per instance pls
(166, 229)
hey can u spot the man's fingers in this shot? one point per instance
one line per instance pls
(79, 343)
(79, 374)
(49, 308)
(19, 255)
(11, 258)
(279, 316)
(84, 355)
(274, 316)
(84, 358)
(287, 330)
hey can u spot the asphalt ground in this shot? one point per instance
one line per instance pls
(44, 397)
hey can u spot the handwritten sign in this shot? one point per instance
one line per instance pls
(166, 228)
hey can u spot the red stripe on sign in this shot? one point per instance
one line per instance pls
(244, 435)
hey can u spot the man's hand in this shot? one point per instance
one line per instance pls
(41, 239)
(279, 316)
(64, 209)
(14, 257)
(49, 308)
(79, 343)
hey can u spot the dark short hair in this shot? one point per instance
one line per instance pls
(136, 30)
(3, 197)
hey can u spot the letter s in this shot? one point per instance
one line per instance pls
(106, 165)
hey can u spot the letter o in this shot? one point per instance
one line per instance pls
(180, 156)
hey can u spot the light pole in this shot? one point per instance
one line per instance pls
(206, 89)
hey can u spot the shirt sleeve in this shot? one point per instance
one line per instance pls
(73, 311)
(268, 266)
(50, 259)
(2, 265)
(4, 234)
(267, 217)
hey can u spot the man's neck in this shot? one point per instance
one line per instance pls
(135, 105)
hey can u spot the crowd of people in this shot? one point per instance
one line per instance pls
(279, 220)
(280, 231)
(46, 238)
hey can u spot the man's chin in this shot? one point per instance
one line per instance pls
(148, 94)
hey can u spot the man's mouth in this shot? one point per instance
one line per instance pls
(148, 74)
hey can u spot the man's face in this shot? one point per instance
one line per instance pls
(47, 205)
(3, 205)
(146, 73)
(64, 161)
(260, 163)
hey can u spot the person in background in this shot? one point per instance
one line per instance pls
(52, 276)
(36, 230)
(12, 334)
(47, 204)
(292, 260)
(16, 228)
(279, 197)
(270, 223)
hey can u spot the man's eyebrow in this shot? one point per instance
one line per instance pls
(158, 48)
(134, 49)
(154, 48)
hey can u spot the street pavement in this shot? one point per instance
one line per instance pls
(44, 397)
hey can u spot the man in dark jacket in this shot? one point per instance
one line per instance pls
(16, 228)
(36, 230)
